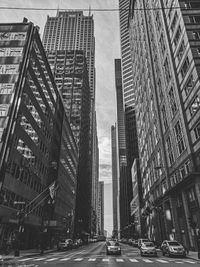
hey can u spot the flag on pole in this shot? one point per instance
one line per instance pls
(52, 190)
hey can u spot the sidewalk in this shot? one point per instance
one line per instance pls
(25, 253)
(193, 255)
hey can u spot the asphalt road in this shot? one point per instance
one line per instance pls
(94, 255)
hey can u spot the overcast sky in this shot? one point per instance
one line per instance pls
(107, 49)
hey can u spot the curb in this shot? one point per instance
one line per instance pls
(11, 257)
(36, 253)
(189, 257)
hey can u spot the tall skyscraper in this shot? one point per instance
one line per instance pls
(33, 157)
(124, 208)
(72, 31)
(128, 91)
(71, 76)
(115, 181)
(95, 182)
(127, 76)
(165, 53)
(101, 208)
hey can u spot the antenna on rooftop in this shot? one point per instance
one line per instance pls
(58, 8)
(89, 10)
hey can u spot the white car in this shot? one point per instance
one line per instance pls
(172, 248)
(148, 249)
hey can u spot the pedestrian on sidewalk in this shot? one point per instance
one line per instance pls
(186, 249)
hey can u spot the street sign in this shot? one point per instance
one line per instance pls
(19, 203)
(13, 220)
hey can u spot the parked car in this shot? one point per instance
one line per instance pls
(148, 249)
(142, 240)
(65, 244)
(172, 248)
(76, 243)
(113, 247)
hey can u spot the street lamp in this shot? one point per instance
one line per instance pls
(21, 218)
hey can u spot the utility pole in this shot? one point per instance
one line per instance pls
(26, 210)
(21, 218)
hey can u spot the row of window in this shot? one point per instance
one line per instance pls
(179, 141)
(24, 175)
(180, 174)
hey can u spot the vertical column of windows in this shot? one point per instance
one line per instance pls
(179, 137)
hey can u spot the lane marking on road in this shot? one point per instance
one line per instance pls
(52, 259)
(39, 259)
(146, 260)
(181, 262)
(133, 260)
(65, 259)
(119, 260)
(162, 261)
(78, 259)
(26, 259)
(81, 252)
(92, 259)
(192, 262)
(105, 259)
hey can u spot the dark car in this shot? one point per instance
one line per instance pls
(148, 249)
(172, 248)
(65, 244)
(113, 247)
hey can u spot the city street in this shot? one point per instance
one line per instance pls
(95, 255)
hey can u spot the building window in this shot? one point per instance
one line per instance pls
(185, 67)
(167, 70)
(194, 19)
(195, 105)
(187, 166)
(162, 43)
(190, 5)
(158, 21)
(179, 137)
(172, 101)
(182, 172)
(164, 187)
(179, 201)
(160, 89)
(164, 115)
(174, 21)
(196, 35)
(177, 36)
(170, 151)
(191, 195)
(181, 50)
(189, 84)
(171, 9)
(197, 131)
